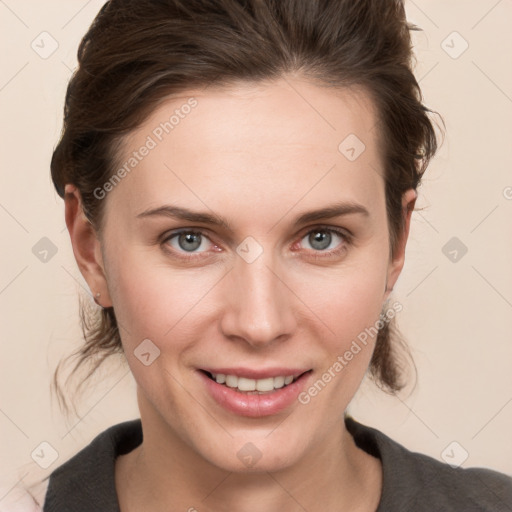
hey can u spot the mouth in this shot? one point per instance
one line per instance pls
(254, 393)
(252, 386)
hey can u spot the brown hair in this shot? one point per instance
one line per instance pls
(138, 52)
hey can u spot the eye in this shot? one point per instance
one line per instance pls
(324, 240)
(189, 241)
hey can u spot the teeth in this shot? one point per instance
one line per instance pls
(279, 382)
(231, 381)
(262, 384)
(245, 384)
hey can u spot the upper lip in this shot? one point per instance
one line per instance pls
(256, 374)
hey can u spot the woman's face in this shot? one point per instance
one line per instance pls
(249, 239)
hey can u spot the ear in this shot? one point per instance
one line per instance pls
(86, 246)
(397, 262)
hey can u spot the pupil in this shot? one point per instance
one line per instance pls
(320, 240)
(189, 241)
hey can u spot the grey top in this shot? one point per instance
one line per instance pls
(411, 481)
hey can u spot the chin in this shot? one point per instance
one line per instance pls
(268, 451)
(252, 456)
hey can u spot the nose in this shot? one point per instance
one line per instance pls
(259, 306)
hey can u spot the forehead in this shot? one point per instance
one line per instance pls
(258, 142)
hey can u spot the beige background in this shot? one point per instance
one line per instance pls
(457, 315)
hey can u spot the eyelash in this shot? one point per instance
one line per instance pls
(346, 240)
(315, 254)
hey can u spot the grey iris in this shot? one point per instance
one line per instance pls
(320, 240)
(189, 241)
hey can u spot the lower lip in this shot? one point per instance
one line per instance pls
(256, 405)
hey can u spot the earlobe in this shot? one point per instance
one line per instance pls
(86, 246)
(397, 262)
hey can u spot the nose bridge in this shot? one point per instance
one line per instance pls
(259, 306)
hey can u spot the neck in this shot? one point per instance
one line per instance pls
(164, 473)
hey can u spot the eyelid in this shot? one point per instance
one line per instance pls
(341, 232)
(345, 234)
(169, 235)
(175, 232)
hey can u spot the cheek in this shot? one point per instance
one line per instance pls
(346, 301)
(349, 306)
(154, 301)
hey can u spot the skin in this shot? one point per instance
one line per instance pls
(259, 156)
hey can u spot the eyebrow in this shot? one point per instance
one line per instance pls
(335, 210)
(329, 212)
(176, 212)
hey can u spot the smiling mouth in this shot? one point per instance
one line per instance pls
(253, 386)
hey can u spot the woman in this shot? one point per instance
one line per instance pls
(239, 178)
